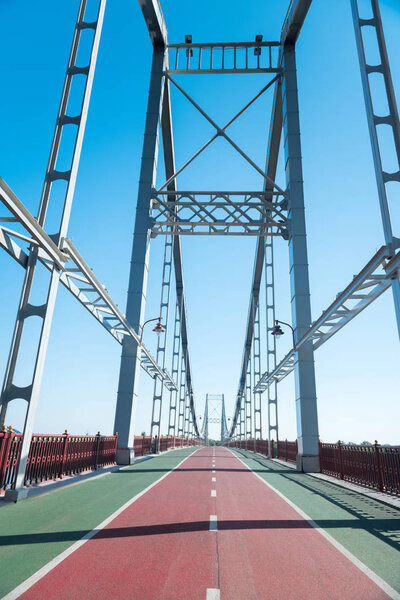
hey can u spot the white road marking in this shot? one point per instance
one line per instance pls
(213, 471)
(213, 479)
(214, 493)
(212, 594)
(28, 583)
(213, 523)
(373, 576)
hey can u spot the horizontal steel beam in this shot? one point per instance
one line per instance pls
(224, 57)
(365, 287)
(294, 21)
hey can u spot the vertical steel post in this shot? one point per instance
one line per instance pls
(176, 346)
(187, 413)
(248, 400)
(182, 397)
(391, 119)
(162, 341)
(131, 353)
(306, 400)
(44, 311)
(272, 390)
(256, 369)
(242, 417)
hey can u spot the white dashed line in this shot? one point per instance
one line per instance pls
(213, 594)
(213, 479)
(213, 523)
(213, 493)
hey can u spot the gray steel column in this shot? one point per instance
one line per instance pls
(256, 372)
(306, 400)
(374, 120)
(247, 401)
(176, 347)
(182, 397)
(272, 390)
(155, 427)
(135, 310)
(45, 309)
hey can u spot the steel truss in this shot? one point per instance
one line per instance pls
(74, 273)
(374, 279)
(218, 213)
(89, 31)
(217, 58)
(215, 413)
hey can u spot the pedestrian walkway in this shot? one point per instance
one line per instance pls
(222, 524)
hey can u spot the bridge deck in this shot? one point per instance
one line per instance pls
(195, 531)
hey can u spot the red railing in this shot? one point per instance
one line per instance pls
(142, 445)
(286, 450)
(53, 456)
(376, 466)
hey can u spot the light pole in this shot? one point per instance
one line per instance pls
(278, 331)
(158, 329)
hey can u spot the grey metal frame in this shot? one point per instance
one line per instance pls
(44, 311)
(161, 356)
(374, 121)
(374, 279)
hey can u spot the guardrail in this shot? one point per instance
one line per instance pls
(373, 466)
(54, 456)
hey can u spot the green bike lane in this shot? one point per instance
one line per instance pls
(366, 527)
(36, 530)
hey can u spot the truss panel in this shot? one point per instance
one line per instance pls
(366, 287)
(224, 58)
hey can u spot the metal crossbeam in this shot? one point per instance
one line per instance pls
(225, 57)
(218, 213)
(366, 287)
(76, 276)
(221, 131)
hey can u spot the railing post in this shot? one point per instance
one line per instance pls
(340, 460)
(96, 458)
(378, 466)
(4, 453)
(65, 451)
(286, 449)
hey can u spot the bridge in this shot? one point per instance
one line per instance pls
(209, 503)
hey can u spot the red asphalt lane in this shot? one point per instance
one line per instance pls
(161, 547)
(268, 551)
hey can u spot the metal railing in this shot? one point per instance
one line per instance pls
(374, 466)
(54, 456)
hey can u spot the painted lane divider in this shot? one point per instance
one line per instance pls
(212, 594)
(214, 493)
(213, 523)
(213, 479)
(213, 471)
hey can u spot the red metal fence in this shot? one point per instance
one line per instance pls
(53, 456)
(374, 466)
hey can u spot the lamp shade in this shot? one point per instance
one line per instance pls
(158, 329)
(277, 330)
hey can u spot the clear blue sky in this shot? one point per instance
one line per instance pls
(358, 369)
